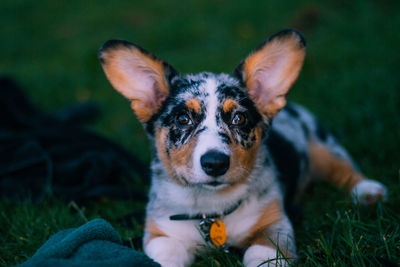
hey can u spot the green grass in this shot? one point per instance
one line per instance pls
(350, 79)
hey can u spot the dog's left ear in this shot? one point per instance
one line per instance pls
(269, 72)
(138, 75)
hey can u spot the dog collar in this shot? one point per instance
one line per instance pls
(211, 225)
(201, 216)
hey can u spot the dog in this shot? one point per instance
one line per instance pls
(229, 154)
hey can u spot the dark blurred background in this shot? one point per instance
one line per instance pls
(350, 78)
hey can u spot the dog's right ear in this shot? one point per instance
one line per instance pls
(137, 75)
(269, 71)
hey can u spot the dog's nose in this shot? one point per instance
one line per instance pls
(214, 163)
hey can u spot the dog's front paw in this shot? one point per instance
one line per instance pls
(168, 252)
(367, 192)
(257, 255)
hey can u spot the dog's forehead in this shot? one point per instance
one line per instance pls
(205, 85)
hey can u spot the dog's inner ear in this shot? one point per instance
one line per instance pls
(137, 75)
(269, 71)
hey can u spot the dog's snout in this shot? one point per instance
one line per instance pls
(214, 163)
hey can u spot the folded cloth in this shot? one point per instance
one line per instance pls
(93, 244)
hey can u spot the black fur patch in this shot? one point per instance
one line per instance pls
(321, 132)
(180, 134)
(178, 86)
(242, 134)
(288, 163)
(305, 130)
(225, 138)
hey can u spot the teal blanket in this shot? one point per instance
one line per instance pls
(95, 243)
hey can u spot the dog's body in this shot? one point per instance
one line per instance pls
(218, 154)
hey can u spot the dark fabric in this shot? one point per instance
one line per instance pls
(94, 244)
(42, 153)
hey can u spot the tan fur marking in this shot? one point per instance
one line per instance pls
(258, 234)
(331, 168)
(246, 157)
(179, 161)
(193, 105)
(242, 161)
(160, 138)
(182, 157)
(152, 229)
(142, 111)
(229, 105)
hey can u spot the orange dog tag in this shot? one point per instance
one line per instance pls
(218, 233)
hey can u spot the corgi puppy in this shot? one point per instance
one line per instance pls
(230, 156)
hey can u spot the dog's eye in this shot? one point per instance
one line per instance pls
(238, 119)
(183, 119)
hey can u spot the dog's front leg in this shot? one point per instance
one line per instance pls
(165, 247)
(273, 245)
(169, 252)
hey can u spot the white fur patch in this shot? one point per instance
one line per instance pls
(366, 192)
(257, 254)
(290, 129)
(169, 252)
(209, 139)
(177, 199)
(238, 228)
